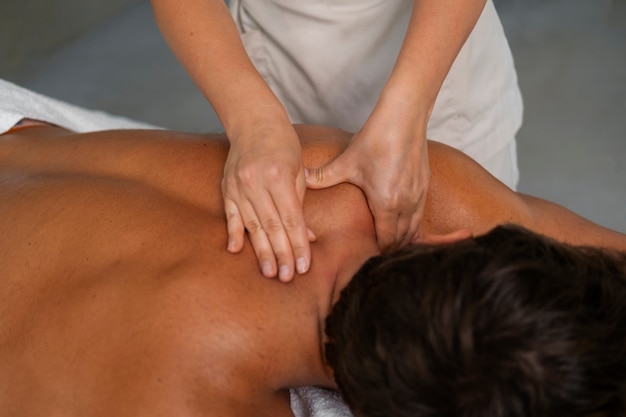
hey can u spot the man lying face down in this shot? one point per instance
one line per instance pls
(509, 323)
(118, 297)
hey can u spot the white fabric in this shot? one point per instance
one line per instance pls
(318, 402)
(503, 165)
(328, 60)
(17, 103)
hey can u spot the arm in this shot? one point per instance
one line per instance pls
(264, 183)
(388, 157)
(204, 38)
(554, 220)
(437, 31)
(464, 195)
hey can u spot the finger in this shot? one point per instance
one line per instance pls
(292, 218)
(234, 226)
(271, 224)
(413, 231)
(403, 236)
(386, 226)
(259, 240)
(328, 175)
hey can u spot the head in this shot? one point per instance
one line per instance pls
(509, 324)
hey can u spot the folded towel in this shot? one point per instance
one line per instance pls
(318, 402)
(17, 103)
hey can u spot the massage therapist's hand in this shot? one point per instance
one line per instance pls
(263, 189)
(388, 160)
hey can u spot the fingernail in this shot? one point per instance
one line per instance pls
(306, 173)
(231, 246)
(283, 273)
(302, 265)
(267, 269)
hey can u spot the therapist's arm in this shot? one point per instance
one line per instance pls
(264, 181)
(388, 158)
(437, 31)
(204, 38)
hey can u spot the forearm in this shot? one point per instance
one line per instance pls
(204, 38)
(437, 31)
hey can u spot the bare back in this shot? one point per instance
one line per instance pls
(116, 285)
(113, 260)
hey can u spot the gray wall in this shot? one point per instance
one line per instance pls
(31, 30)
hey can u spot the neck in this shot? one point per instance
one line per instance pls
(345, 240)
(322, 285)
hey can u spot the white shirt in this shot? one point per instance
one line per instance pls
(328, 60)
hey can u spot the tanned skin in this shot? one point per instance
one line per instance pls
(118, 297)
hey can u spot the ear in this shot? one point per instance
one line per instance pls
(436, 239)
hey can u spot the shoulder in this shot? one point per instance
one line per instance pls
(462, 194)
(321, 144)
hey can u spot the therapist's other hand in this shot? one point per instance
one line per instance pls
(263, 190)
(391, 166)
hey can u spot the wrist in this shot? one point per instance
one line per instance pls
(407, 97)
(253, 118)
(401, 114)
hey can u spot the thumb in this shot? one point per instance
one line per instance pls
(326, 176)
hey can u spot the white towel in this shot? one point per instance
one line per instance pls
(318, 402)
(17, 103)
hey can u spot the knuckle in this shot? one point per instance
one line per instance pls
(253, 226)
(298, 250)
(274, 171)
(317, 175)
(231, 215)
(228, 188)
(283, 257)
(247, 175)
(264, 255)
(385, 243)
(252, 174)
(272, 225)
(392, 200)
(291, 222)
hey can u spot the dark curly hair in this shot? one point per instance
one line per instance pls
(509, 324)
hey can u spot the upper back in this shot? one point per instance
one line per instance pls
(118, 239)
